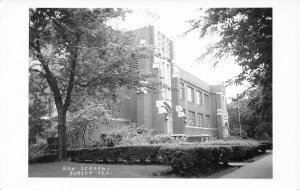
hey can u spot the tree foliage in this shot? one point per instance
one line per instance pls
(88, 114)
(246, 33)
(78, 51)
(251, 124)
(38, 105)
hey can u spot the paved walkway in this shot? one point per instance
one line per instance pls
(260, 169)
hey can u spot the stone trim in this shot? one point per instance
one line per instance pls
(201, 128)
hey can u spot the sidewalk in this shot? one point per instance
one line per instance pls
(259, 169)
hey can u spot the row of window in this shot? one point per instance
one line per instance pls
(199, 121)
(198, 99)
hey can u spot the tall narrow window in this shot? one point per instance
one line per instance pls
(192, 121)
(163, 71)
(199, 97)
(168, 73)
(207, 121)
(190, 94)
(200, 120)
(181, 91)
(206, 101)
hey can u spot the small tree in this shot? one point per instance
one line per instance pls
(78, 51)
(87, 115)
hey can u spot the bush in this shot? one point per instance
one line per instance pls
(38, 153)
(37, 150)
(44, 159)
(235, 132)
(109, 140)
(126, 135)
(130, 135)
(186, 157)
(161, 139)
(130, 154)
(268, 144)
(180, 157)
(242, 149)
(263, 131)
(166, 139)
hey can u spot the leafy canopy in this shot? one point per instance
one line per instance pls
(102, 54)
(246, 33)
(80, 55)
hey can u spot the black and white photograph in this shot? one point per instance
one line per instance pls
(160, 92)
(109, 89)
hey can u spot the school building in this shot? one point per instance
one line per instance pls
(181, 105)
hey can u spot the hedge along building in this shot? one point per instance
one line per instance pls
(181, 104)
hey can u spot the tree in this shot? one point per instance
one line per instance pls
(251, 124)
(78, 51)
(86, 114)
(246, 33)
(38, 105)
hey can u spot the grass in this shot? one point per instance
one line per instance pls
(73, 169)
(88, 170)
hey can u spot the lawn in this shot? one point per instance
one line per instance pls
(73, 169)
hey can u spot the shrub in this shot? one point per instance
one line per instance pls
(268, 144)
(115, 154)
(38, 153)
(125, 135)
(130, 135)
(166, 139)
(180, 158)
(73, 137)
(108, 140)
(186, 157)
(161, 139)
(263, 131)
(179, 140)
(37, 150)
(242, 149)
(44, 159)
(235, 132)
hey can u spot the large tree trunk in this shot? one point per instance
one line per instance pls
(62, 135)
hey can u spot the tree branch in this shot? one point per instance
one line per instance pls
(49, 77)
(38, 71)
(35, 47)
(72, 78)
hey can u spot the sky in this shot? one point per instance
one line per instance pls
(173, 23)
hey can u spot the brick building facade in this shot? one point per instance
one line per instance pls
(181, 105)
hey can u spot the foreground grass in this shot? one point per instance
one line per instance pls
(88, 170)
(73, 169)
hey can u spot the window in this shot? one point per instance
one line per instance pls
(192, 118)
(190, 94)
(168, 93)
(168, 73)
(181, 91)
(163, 71)
(206, 101)
(207, 121)
(199, 97)
(200, 120)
